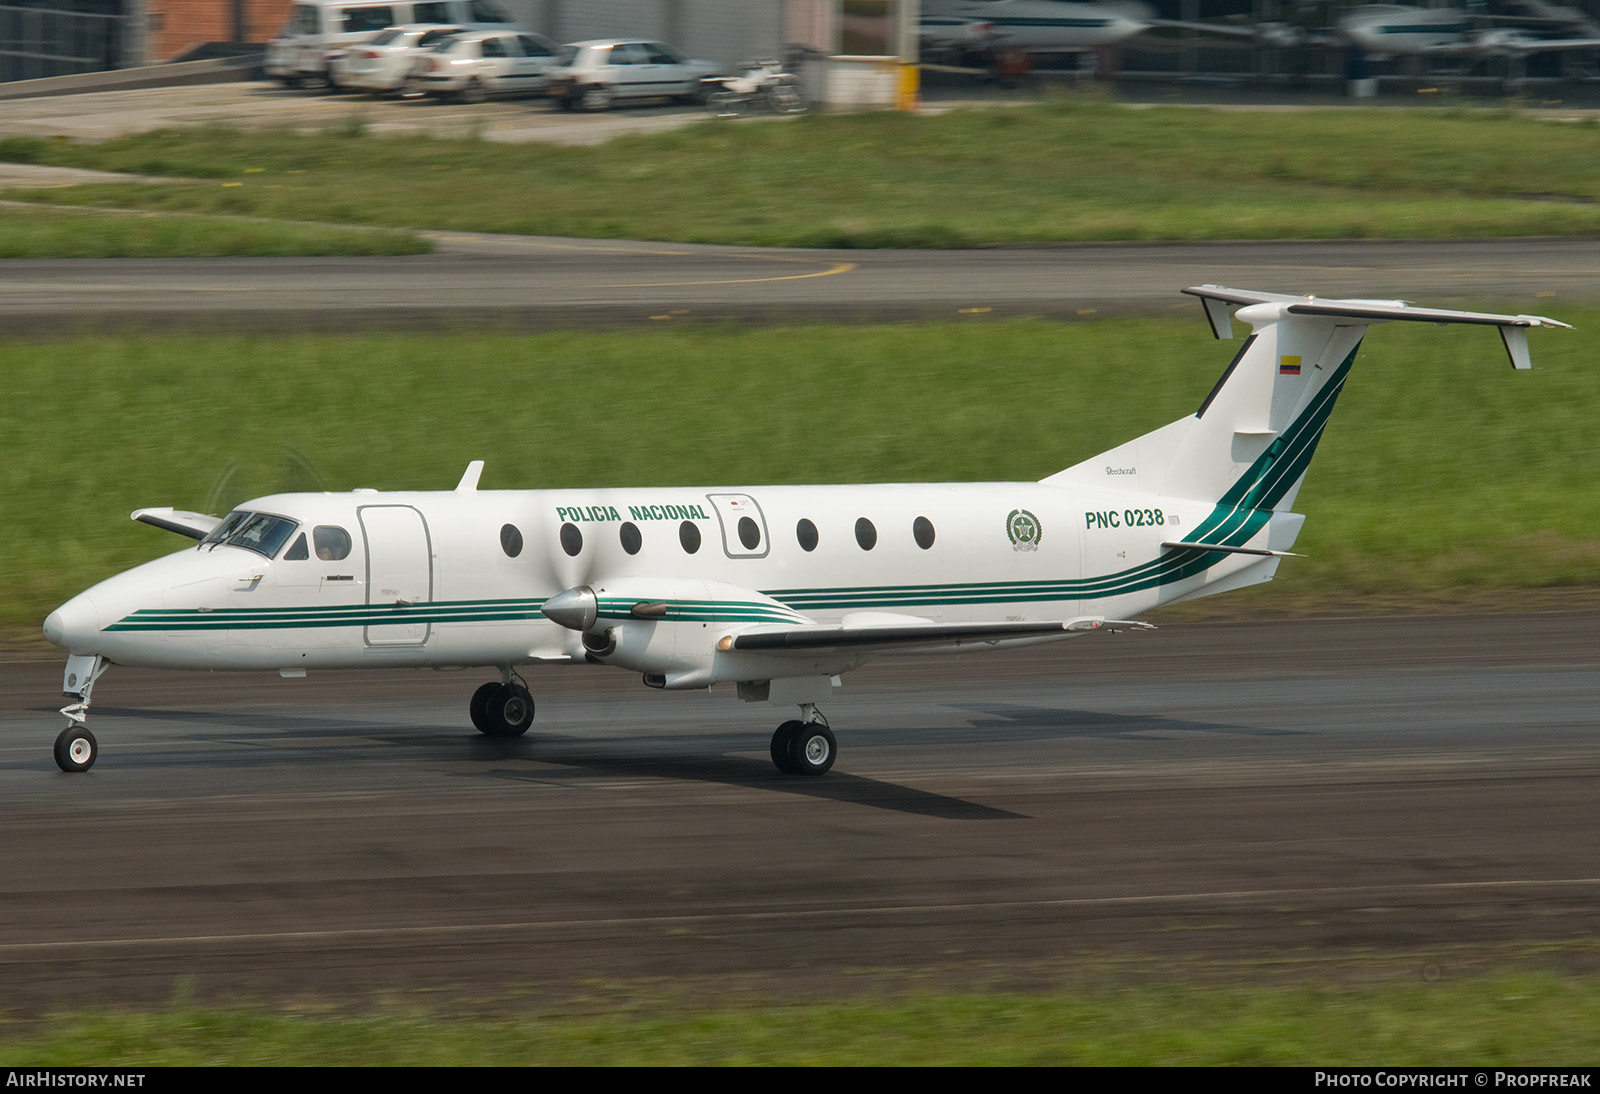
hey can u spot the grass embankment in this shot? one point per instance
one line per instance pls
(1443, 474)
(75, 233)
(1057, 171)
(1522, 1019)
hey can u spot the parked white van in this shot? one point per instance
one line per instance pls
(319, 27)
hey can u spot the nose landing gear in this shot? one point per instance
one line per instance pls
(76, 748)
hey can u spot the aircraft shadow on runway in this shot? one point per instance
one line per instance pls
(1019, 722)
(291, 738)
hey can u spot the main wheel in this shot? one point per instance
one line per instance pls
(472, 91)
(813, 749)
(478, 708)
(597, 97)
(507, 711)
(783, 747)
(76, 749)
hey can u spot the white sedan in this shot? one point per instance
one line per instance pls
(388, 64)
(596, 75)
(473, 65)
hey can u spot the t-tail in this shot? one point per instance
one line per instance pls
(1246, 449)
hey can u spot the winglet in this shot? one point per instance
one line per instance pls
(469, 478)
(1217, 315)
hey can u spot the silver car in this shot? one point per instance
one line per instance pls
(388, 64)
(596, 75)
(473, 65)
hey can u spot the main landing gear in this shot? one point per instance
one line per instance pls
(76, 748)
(503, 709)
(806, 746)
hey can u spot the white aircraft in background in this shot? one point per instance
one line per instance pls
(1032, 26)
(775, 590)
(1386, 30)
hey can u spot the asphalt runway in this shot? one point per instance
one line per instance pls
(540, 283)
(1317, 798)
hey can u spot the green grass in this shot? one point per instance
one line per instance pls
(1443, 478)
(73, 233)
(1066, 170)
(1507, 1020)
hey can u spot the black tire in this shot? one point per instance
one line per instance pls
(597, 98)
(508, 711)
(76, 749)
(783, 747)
(472, 92)
(478, 708)
(813, 749)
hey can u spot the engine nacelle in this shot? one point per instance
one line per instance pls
(669, 630)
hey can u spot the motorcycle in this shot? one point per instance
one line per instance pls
(764, 86)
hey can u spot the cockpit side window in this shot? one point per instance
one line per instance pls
(298, 551)
(263, 533)
(333, 542)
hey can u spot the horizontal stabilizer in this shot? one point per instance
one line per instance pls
(1513, 328)
(1229, 550)
(908, 636)
(193, 525)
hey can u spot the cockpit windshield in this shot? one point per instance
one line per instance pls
(262, 533)
(230, 524)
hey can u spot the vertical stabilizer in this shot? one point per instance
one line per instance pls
(1250, 442)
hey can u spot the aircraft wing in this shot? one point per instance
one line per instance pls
(193, 525)
(909, 635)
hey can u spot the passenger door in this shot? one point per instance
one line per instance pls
(399, 571)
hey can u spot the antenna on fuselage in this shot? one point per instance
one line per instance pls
(469, 478)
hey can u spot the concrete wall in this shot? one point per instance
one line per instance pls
(721, 30)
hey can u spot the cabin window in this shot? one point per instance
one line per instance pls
(922, 532)
(331, 541)
(689, 536)
(510, 540)
(571, 539)
(299, 551)
(630, 537)
(866, 534)
(749, 533)
(806, 533)
(362, 19)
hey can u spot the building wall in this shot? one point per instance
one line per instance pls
(721, 30)
(178, 25)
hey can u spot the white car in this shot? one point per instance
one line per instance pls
(596, 75)
(388, 64)
(473, 65)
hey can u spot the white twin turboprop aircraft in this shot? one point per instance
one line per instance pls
(777, 590)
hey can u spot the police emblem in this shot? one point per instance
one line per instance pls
(1024, 529)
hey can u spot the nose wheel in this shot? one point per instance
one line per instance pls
(76, 749)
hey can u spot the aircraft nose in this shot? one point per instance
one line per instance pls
(73, 625)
